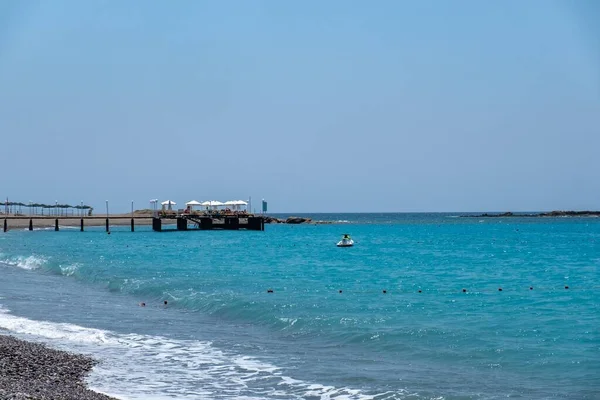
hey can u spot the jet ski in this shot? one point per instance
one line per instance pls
(346, 241)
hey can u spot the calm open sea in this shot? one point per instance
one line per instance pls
(222, 335)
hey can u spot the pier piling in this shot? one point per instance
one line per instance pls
(206, 223)
(232, 224)
(181, 224)
(81, 225)
(30, 224)
(107, 225)
(5, 225)
(56, 225)
(156, 224)
(132, 225)
(256, 224)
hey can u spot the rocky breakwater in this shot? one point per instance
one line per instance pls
(294, 221)
(33, 371)
(298, 220)
(289, 220)
(486, 215)
(570, 214)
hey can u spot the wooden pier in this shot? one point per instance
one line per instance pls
(181, 222)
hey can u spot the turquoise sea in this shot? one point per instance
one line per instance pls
(328, 330)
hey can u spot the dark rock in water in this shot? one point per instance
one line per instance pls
(571, 214)
(544, 214)
(294, 220)
(486, 215)
(555, 213)
(297, 220)
(33, 371)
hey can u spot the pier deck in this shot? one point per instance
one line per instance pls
(182, 222)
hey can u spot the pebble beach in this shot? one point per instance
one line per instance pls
(33, 371)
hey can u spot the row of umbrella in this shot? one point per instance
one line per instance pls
(215, 203)
(15, 207)
(40, 205)
(209, 203)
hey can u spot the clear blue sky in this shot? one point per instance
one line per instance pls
(313, 105)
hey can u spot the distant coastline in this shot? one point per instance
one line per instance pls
(536, 215)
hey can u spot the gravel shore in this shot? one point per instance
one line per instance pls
(33, 371)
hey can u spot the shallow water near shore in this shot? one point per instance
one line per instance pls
(222, 335)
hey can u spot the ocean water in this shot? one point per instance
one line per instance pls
(328, 330)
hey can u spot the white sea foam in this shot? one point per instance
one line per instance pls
(69, 269)
(25, 262)
(151, 367)
(50, 330)
(289, 321)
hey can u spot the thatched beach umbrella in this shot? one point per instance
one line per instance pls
(64, 208)
(47, 206)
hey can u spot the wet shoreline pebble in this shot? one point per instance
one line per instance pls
(33, 371)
